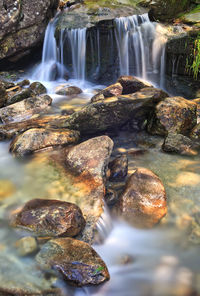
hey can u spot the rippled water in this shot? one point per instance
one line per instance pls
(159, 262)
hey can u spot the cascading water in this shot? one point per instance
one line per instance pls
(141, 47)
(51, 66)
(77, 38)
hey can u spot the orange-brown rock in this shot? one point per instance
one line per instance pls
(50, 218)
(143, 202)
(132, 84)
(174, 114)
(39, 138)
(77, 262)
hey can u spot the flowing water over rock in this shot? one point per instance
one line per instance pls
(140, 46)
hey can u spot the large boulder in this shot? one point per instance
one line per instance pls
(24, 109)
(50, 218)
(76, 262)
(88, 163)
(22, 25)
(173, 114)
(69, 91)
(39, 138)
(143, 202)
(114, 112)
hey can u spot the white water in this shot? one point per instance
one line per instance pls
(140, 44)
(77, 39)
(141, 48)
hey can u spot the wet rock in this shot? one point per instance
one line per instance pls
(180, 144)
(69, 91)
(76, 261)
(39, 138)
(24, 109)
(143, 202)
(8, 131)
(118, 168)
(3, 94)
(132, 84)
(6, 84)
(38, 88)
(91, 157)
(50, 218)
(110, 91)
(88, 162)
(23, 83)
(195, 132)
(111, 197)
(174, 114)
(19, 96)
(26, 245)
(112, 113)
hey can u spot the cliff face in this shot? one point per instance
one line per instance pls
(22, 25)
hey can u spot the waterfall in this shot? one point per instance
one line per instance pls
(53, 64)
(51, 67)
(141, 48)
(77, 38)
(138, 43)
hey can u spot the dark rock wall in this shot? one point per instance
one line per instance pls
(22, 26)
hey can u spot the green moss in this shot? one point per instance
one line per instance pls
(193, 61)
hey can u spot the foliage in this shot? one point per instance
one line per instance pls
(193, 65)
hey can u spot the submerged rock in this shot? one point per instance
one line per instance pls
(143, 202)
(24, 109)
(22, 277)
(69, 91)
(26, 245)
(180, 144)
(114, 112)
(77, 262)
(50, 218)
(118, 168)
(132, 84)
(39, 138)
(174, 114)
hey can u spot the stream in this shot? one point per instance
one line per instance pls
(163, 261)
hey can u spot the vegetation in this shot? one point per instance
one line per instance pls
(193, 63)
